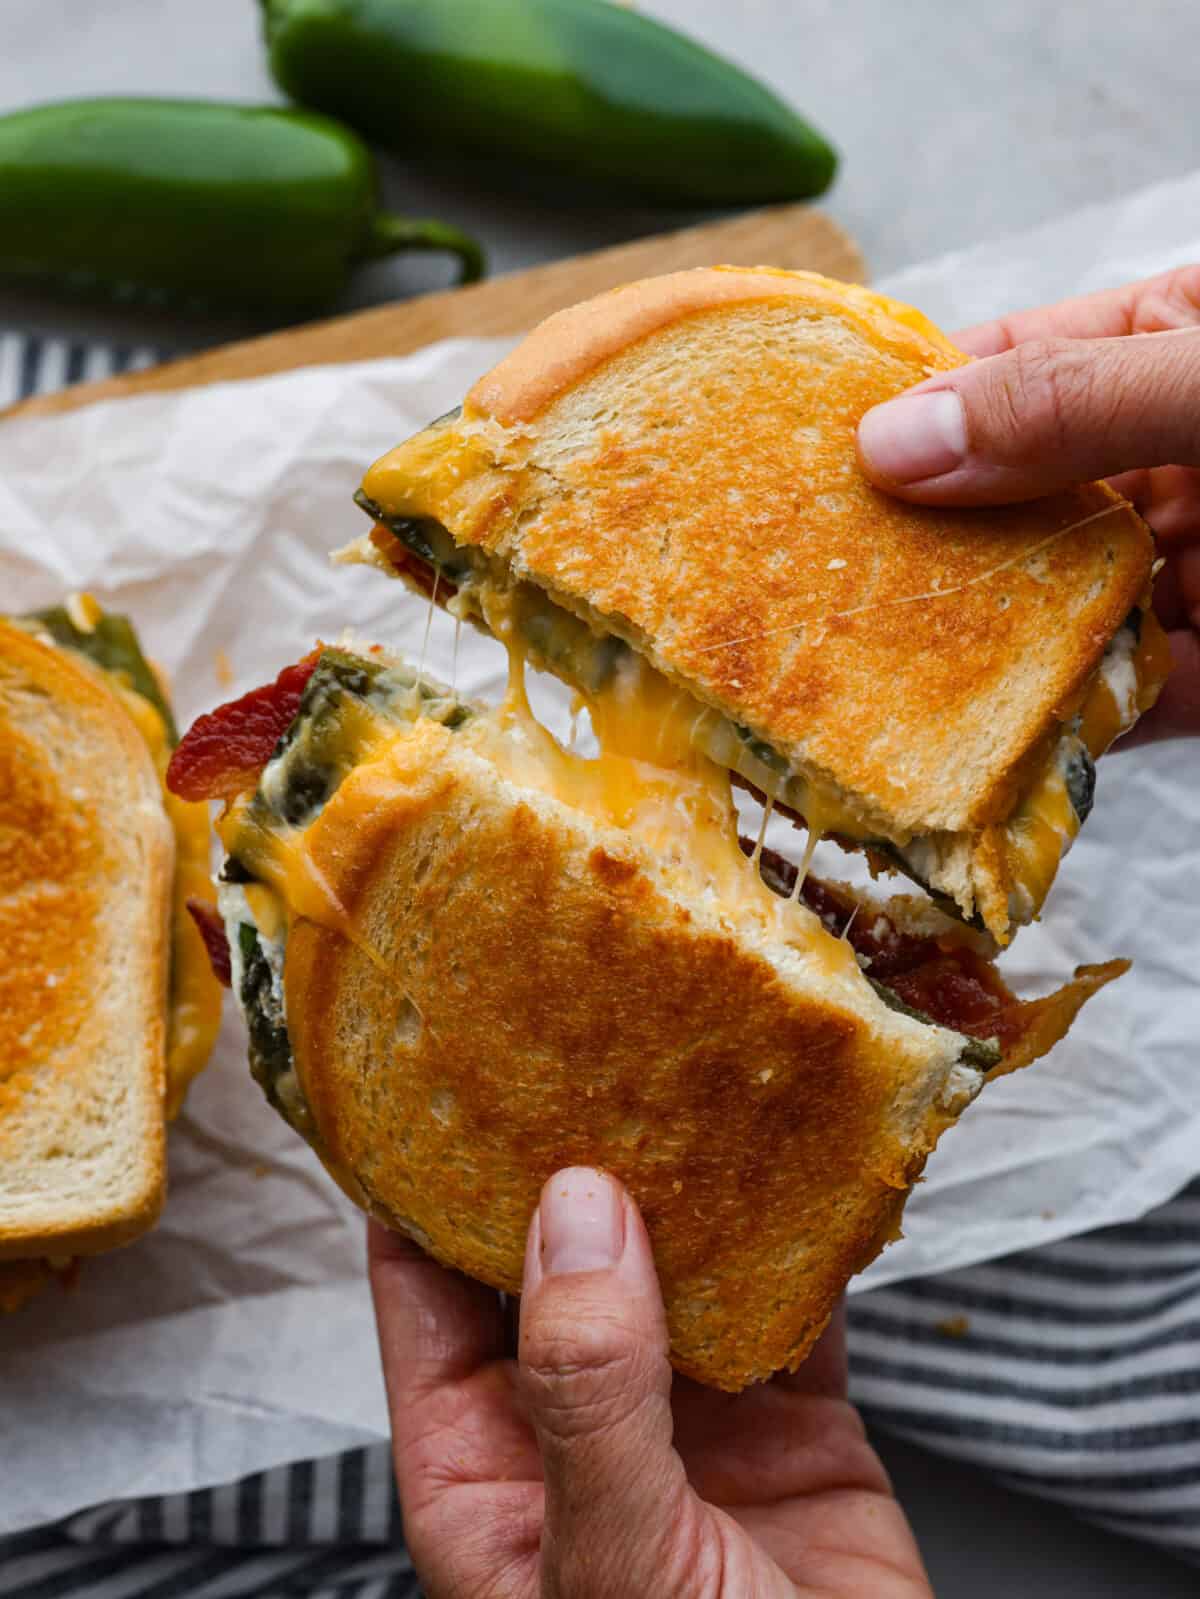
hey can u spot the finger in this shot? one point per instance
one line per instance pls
(1168, 497)
(435, 1326)
(1133, 486)
(794, 1435)
(1177, 713)
(1039, 418)
(823, 1372)
(597, 1383)
(466, 1467)
(1168, 300)
(440, 1338)
(1169, 604)
(1177, 588)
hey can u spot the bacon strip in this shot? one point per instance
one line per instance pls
(223, 753)
(950, 983)
(212, 930)
(945, 980)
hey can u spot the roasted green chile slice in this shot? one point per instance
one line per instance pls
(321, 745)
(270, 1047)
(113, 645)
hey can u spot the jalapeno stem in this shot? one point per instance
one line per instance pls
(389, 233)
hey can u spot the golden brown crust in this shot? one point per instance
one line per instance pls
(524, 997)
(680, 455)
(568, 346)
(85, 869)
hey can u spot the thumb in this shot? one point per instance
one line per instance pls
(597, 1385)
(1041, 416)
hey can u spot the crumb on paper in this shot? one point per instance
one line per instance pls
(261, 1170)
(222, 668)
(1047, 1215)
(954, 1327)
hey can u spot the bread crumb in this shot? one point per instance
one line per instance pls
(954, 1327)
(222, 668)
(836, 564)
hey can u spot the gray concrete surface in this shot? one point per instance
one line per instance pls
(956, 122)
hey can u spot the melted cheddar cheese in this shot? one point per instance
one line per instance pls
(580, 646)
(194, 1009)
(1041, 831)
(649, 780)
(282, 858)
(1045, 822)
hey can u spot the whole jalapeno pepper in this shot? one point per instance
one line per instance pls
(196, 204)
(581, 87)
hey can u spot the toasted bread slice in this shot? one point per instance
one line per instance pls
(674, 463)
(110, 644)
(459, 977)
(86, 858)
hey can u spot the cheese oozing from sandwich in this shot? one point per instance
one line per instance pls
(648, 780)
(194, 1013)
(1047, 818)
(360, 744)
(589, 652)
(364, 747)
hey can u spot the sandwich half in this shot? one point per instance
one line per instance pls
(107, 1004)
(667, 474)
(468, 956)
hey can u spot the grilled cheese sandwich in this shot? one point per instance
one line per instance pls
(109, 1007)
(468, 954)
(905, 680)
(414, 874)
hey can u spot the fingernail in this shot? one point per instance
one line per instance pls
(583, 1226)
(915, 437)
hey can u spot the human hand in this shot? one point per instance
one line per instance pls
(586, 1471)
(1107, 386)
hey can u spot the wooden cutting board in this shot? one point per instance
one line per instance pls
(784, 236)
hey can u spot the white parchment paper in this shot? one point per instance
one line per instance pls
(239, 1334)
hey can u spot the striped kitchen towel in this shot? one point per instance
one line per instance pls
(38, 365)
(1070, 1372)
